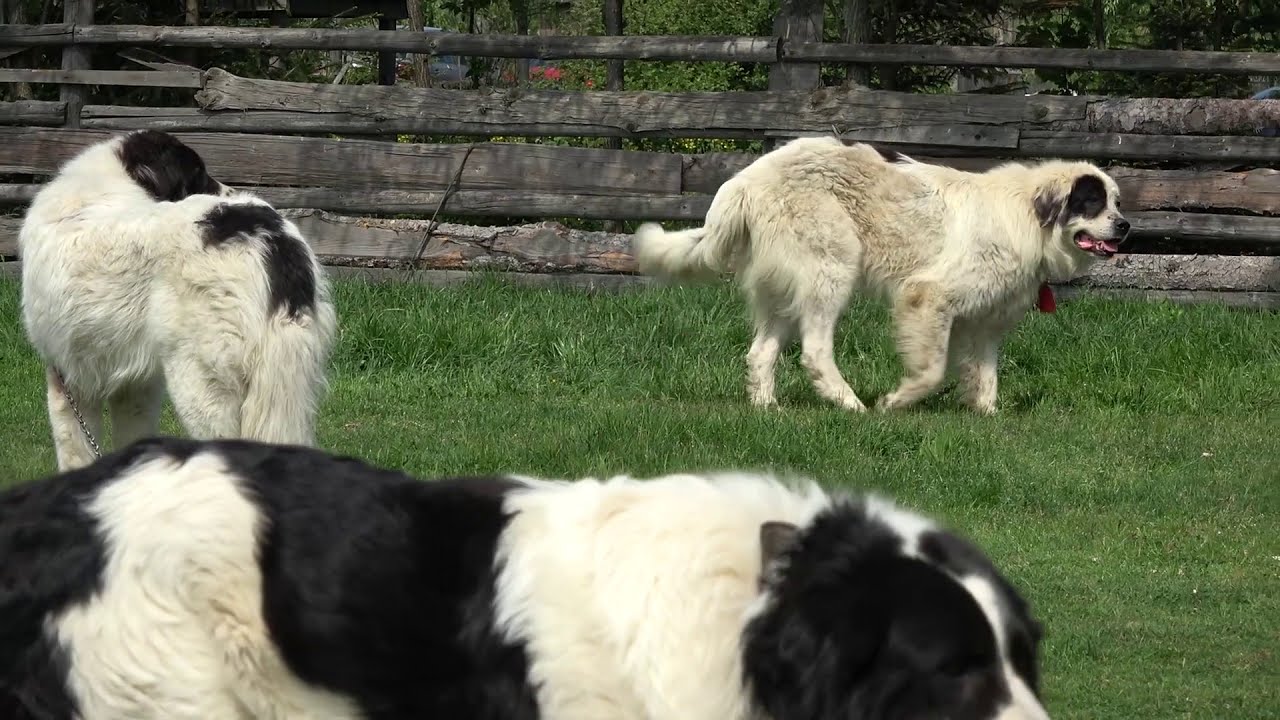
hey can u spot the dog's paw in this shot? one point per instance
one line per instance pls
(887, 403)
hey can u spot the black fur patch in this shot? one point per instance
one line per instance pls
(889, 155)
(962, 558)
(1088, 198)
(164, 166)
(381, 586)
(289, 271)
(857, 630)
(51, 558)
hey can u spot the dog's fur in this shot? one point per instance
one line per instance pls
(185, 580)
(959, 255)
(142, 273)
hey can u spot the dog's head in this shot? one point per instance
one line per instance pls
(872, 612)
(1080, 205)
(165, 167)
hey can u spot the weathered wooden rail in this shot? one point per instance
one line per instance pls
(249, 132)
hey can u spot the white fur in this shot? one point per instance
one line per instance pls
(959, 256)
(177, 631)
(119, 294)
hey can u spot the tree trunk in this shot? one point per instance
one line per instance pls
(1099, 25)
(857, 30)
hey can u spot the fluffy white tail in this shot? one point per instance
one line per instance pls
(701, 252)
(288, 379)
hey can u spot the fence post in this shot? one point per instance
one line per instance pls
(75, 57)
(614, 25)
(796, 21)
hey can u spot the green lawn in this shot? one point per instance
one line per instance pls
(1130, 484)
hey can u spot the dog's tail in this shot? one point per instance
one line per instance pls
(287, 378)
(699, 253)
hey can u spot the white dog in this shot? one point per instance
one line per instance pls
(141, 273)
(959, 255)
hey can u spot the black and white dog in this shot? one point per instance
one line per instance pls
(186, 580)
(143, 275)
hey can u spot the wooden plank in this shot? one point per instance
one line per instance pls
(1205, 227)
(600, 282)
(1256, 191)
(1244, 299)
(633, 114)
(991, 138)
(1119, 146)
(368, 164)
(632, 47)
(1124, 60)
(122, 78)
(33, 112)
(1175, 226)
(545, 247)
(9, 227)
(797, 21)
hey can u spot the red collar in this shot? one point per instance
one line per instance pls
(1046, 304)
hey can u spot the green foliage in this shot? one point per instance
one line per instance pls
(1160, 25)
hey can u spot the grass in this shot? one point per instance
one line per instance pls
(1130, 484)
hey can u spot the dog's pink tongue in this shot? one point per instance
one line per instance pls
(1109, 246)
(1085, 242)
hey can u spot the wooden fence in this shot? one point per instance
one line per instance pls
(1198, 176)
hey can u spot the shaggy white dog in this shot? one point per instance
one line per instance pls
(959, 255)
(141, 273)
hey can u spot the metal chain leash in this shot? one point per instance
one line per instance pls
(93, 443)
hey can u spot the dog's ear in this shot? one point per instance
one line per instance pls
(777, 539)
(1050, 205)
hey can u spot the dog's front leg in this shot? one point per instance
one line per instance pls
(923, 324)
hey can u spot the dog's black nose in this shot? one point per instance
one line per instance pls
(1122, 227)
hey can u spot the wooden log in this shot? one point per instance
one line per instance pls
(1196, 116)
(1186, 272)
(632, 47)
(1205, 227)
(550, 247)
(366, 164)
(544, 247)
(122, 78)
(798, 21)
(33, 112)
(1199, 61)
(639, 114)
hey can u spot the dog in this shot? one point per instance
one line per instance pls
(958, 255)
(179, 579)
(141, 274)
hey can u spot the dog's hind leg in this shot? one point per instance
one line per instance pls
(820, 315)
(207, 407)
(135, 411)
(69, 442)
(773, 332)
(923, 332)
